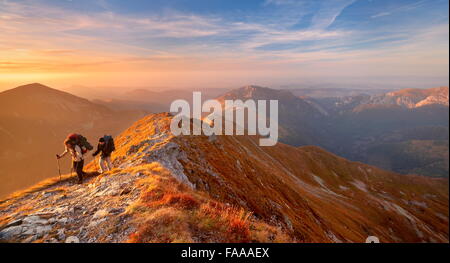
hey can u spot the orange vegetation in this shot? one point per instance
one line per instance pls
(168, 211)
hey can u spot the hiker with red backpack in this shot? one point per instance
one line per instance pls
(77, 145)
(106, 147)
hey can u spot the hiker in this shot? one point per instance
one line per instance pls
(106, 147)
(77, 158)
(77, 146)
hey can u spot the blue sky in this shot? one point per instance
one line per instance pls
(269, 42)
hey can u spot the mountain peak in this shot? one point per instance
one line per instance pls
(33, 89)
(250, 91)
(34, 86)
(257, 92)
(252, 87)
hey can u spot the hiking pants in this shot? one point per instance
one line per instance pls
(105, 163)
(78, 167)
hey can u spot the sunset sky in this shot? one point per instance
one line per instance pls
(211, 43)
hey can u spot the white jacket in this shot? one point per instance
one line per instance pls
(76, 153)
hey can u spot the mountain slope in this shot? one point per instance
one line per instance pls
(298, 120)
(34, 121)
(169, 189)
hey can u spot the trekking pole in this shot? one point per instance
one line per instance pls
(71, 170)
(59, 168)
(97, 163)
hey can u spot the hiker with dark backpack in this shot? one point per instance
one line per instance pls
(106, 147)
(77, 145)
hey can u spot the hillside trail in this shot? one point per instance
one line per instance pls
(68, 212)
(95, 211)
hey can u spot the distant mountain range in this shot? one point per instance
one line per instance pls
(405, 131)
(407, 98)
(414, 98)
(318, 92)
(153, 101)
(228, 189)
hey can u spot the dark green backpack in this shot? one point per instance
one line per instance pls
(109, 144)
(80, 140)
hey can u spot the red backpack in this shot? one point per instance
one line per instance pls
(81, 141)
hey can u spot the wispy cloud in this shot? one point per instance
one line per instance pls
(381, 14)
(328, 13)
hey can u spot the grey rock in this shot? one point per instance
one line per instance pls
(46, 194)
(94, 223)
(116, 211)
(63, 220)
(34, 220)
(72, 239)
(10, 232)
(42, 230)
(16, 222)
(100, 214)
(28, 231)
(61, 235)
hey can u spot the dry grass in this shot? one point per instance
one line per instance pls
(168, 211)
(46, 184)
(38, 187)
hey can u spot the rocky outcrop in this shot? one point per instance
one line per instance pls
(68, 212)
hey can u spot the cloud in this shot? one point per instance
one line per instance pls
(401, 8)
(329, 11)
(281, 2)
(51, 25)
(381, 14)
